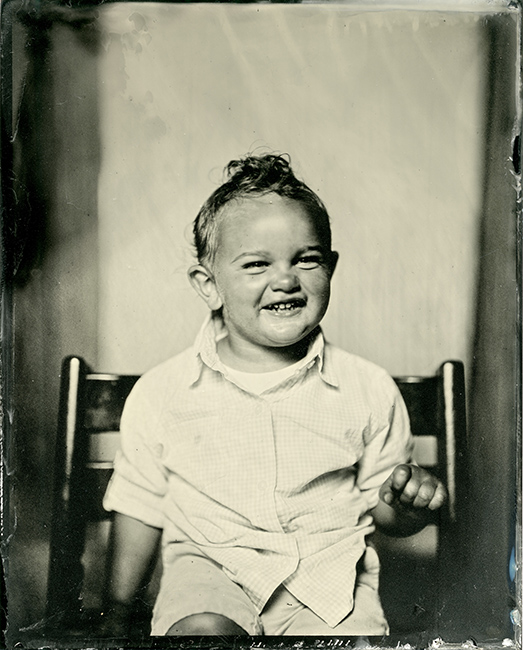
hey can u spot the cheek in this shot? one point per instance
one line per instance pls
(243, 293)
(251, 287)
(318, 285)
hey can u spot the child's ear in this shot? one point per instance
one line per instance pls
(203, 282)
(333, 261)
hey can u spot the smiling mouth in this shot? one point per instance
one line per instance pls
(286, 307)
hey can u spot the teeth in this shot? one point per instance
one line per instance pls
(283, 306)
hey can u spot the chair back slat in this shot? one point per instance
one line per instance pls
(104, 400)
(103, 446)
(425, 452)
(420, 397)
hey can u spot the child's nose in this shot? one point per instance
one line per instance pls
(285, 279)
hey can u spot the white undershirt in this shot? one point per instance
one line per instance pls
(259, 382)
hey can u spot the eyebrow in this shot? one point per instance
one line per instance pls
(307, 249)
(249, 254)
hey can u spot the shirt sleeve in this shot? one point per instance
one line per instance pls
(139, 481)
(389, 441)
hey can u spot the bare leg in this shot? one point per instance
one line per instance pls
(206, 624)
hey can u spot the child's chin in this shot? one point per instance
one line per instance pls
(287, 339)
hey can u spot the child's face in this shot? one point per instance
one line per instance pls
(271, 272)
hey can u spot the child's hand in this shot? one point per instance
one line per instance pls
(406, 500)
(412, 487)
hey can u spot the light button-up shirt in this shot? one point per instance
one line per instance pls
(276, 488)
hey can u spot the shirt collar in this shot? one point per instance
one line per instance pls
(213, 330)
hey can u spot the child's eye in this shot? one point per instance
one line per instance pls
(309, 261)
(255, 265)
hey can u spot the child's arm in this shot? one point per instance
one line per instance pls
(407, 499)
(132, 549)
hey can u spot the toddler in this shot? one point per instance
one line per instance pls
(263, 457)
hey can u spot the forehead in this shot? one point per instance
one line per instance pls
(263, 215)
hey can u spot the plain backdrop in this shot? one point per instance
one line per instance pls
(381, 114)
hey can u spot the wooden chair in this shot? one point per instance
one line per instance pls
(87, 438)
(418, 573)
(89, 417)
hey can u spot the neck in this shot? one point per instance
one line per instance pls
(241, 357)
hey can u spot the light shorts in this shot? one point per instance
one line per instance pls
(193, 584)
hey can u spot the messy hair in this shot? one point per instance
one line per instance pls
(255, 176)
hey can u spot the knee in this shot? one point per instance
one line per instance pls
(205, 624)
